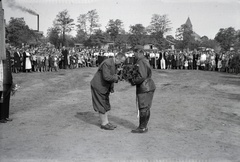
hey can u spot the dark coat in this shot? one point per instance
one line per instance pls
(7, 72)
(104, 78)
(17, 60)
(24, 60)
(144, 83)
(65, 56)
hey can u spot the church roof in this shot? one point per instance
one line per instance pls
(188, 22)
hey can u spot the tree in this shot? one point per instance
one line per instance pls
(114, 28)
(137, 32)
(209, 43)
(93, 19)
(137, 29)
(54, 36)
(88, 23)
(226, 38)
(64, 23)
(121, 41)
(97, 39)
(158, 40)
(82, 28)
(159, 24)
(237, 42)
(185, 39)
(170, 38)
(18, 32)
(204, 38)
(81, 36)
(82, 20)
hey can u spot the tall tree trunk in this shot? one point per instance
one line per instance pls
(63, 37)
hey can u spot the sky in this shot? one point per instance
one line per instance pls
(207, 16)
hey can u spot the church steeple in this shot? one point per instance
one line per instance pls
(188, 23)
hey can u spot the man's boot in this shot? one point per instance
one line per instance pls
(143, 121)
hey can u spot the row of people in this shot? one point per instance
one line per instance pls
(226, 62)
(49, 59)
(41, 60)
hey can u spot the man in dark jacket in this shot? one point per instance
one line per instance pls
(7, 88)
(65, 56)
(102, 85)
(17, 60)
(145, 88)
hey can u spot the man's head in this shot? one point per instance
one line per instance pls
(120, 58)
(138, 51)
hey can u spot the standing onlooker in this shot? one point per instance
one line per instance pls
(194, 60)
(17, 61)
(174, 61)
(219, 65)
(163, 60)
(27, 61)
(198, 63)
(5, 67)
(34, 61)
(190, 61)
(65, 57)
(186, 64)
(169, 61)
(182, 58)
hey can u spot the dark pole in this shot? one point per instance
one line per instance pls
(38, 22)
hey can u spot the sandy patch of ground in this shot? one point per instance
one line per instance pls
(195, 116)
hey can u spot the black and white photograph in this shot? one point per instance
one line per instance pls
(119, 80)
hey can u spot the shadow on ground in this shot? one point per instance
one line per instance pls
(93, 118)
(231, 76)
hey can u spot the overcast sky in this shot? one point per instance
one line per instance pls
(207, 16)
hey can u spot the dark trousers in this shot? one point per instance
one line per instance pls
(5, 102)
(144, 105)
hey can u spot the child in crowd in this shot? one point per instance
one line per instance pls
(186, 64)
(198, 63)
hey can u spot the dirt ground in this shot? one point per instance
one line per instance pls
(195, 116)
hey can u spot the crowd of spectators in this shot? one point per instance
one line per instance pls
(196, 60)
(47, 59)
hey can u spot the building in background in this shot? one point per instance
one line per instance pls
(194, 34)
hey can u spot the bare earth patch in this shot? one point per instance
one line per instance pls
(195, 116)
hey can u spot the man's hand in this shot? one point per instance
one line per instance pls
(14, 88)
(112, 90)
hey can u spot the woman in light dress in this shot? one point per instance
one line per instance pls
(219, 64)
(28, 65)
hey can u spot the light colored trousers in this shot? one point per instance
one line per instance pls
(163, 64)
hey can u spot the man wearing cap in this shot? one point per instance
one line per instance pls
(145, 88)
(102, 85)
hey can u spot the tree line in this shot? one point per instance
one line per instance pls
(90, 34)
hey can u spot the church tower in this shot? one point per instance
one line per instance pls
(189, 23)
